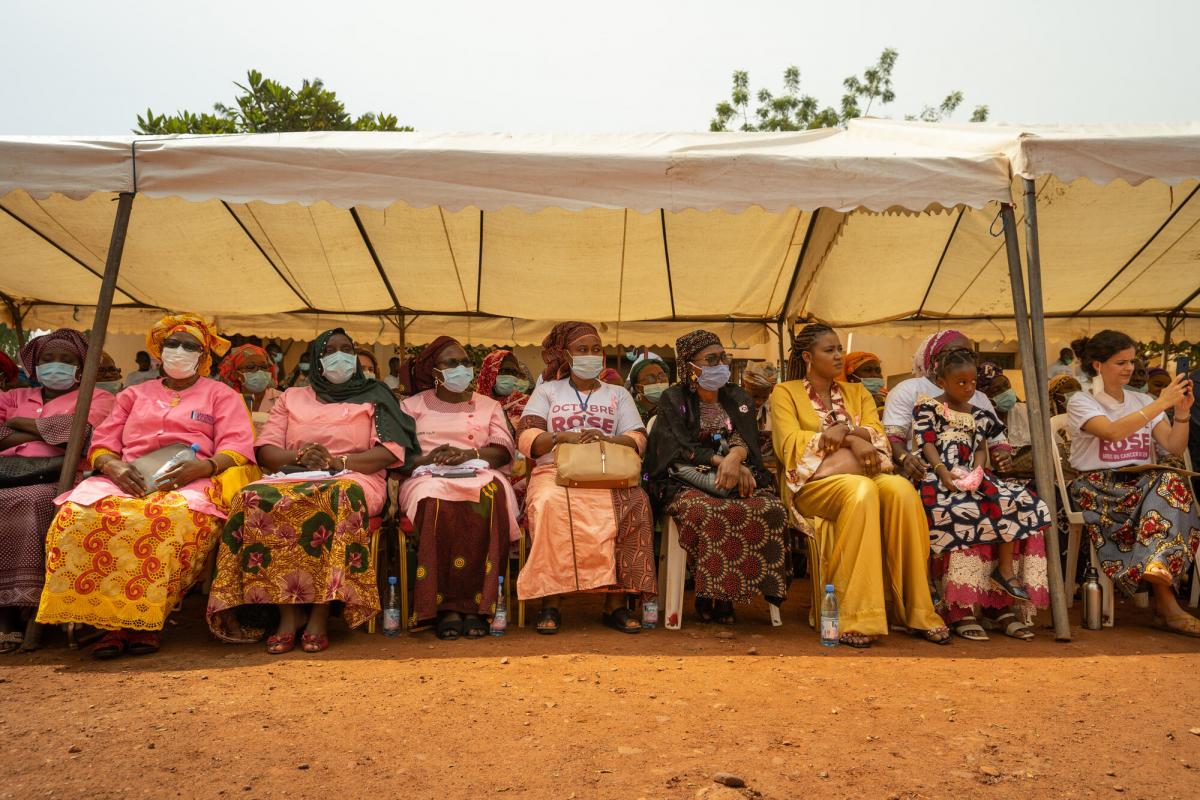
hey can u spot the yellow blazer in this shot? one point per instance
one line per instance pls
(795, 423)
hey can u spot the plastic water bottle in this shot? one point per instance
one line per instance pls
(391, 611)
(500, 618)
(650, 614)
(1093, 618)
(183, 455)
(829, 618)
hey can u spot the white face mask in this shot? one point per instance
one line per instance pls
(457, 379)
(56, 375)
(587, 368)
(339, 367)
(179, 363)
(368, 374)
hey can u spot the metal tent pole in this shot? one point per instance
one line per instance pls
(1043, 445)
(782, 353)
(1168, 330)
(91, 365)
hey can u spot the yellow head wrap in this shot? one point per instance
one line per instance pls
(196, 326)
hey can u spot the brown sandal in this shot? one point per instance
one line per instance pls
(111, 645)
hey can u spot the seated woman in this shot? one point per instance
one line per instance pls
(835, 462)
(867, 369)
(759, 379)
(965, 572)
(584, 539)
(1144, 524)
(647, 380)
(248, 369)
(122, 553)
(966, 504)
(367, 363)
(1157, 379)
(736, 539)
(36, 423)
(304, 542)
(1012, 413)
(108, 377)
(465, 524)
(502, 378)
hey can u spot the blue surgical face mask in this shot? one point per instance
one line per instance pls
(653, 391)
(339, 367)
(1005, 400)
(1141, 388)
(507, 384)
(257, 381)
(712, 378)
(112, 387)
(873, 385)
(57, 375)
(587, 368)
(457, 379)
(304, 366)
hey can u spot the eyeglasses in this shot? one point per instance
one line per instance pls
(713, 359)
(175, 344)
(451, 363)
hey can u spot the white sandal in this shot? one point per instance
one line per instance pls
(1014, 628)
(969, 629)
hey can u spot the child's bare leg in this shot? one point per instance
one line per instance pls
(1004, 557)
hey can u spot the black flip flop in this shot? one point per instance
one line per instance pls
(474, 627)
(618, 619)
(548, 614)
(448, 629)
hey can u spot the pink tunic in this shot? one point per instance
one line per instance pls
(53, 418)
(299, 416)
(477, 423)
(149, 416)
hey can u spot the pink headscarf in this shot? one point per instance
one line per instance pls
(928, 351)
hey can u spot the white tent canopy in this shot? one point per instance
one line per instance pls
(492, 238)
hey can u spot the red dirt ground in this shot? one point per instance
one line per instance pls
(592, 713)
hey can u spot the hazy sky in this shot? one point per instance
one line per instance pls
(90, 68)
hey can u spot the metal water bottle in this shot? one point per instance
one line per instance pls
(1092, 615)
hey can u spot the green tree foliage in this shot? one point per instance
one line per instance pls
(792, 110)
(267, 106)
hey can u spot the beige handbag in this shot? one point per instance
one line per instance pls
(598, 465)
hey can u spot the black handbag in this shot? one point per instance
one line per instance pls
(703, 479)
(29, 470)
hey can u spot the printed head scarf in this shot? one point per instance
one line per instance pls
(610, 375)
(1058, 388)
(196, 326)
(854, 360)
(687, 346)
(231, 366)
(391, 423)
(986, 374)
(420, 369)
(760, 375)
(638, 367)
(554, 347)
(69, 338)
(926, 356)
(8, 367)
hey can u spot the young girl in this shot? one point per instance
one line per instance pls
(966, 504)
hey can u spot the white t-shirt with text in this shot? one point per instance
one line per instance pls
(610, 409)
(1089, 453)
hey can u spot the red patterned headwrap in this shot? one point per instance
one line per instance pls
(554, 347)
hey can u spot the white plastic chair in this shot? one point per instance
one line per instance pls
(672, 573)
(1075, 530)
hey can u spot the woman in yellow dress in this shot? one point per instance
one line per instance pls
(870, 527)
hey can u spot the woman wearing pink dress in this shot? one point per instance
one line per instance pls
(465, 524)
(302, 541)
(36, 423)
(121, 554)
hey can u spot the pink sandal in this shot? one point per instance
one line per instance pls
(314, 644)
(281, 643)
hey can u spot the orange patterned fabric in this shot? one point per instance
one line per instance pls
(124, 562)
